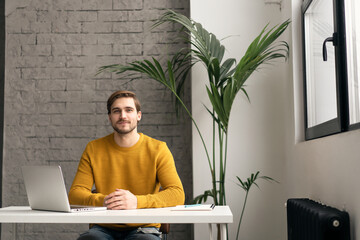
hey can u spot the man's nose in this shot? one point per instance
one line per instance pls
(122, 114)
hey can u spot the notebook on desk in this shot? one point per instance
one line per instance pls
(45, 189)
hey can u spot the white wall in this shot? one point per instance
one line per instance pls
(256, 129)
(267, 134)
(325, 169)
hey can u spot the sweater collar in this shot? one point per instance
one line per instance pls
(135, 146)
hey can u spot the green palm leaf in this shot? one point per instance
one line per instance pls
(228, 81)
(206, 44)
(225, 72)
(173, 77)
(246, 186)
(203, 197)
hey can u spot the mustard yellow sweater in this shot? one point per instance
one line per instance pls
(141, 169)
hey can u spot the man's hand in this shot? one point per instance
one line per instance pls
(120, 200)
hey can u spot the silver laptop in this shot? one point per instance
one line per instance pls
(45, 189)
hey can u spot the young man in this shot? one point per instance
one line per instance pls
(127, 169)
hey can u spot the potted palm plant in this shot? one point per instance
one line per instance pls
(226, 78)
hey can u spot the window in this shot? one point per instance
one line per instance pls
(331, 45)
(353, 58)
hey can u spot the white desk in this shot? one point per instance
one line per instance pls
(220, 215)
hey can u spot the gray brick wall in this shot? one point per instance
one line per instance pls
(54, 104)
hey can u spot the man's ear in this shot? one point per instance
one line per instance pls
(139, 115)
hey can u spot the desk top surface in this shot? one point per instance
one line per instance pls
(24, 214)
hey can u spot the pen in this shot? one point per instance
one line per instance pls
(192, 205)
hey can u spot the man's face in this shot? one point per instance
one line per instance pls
(123, 115)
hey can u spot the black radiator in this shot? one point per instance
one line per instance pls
(309, 220)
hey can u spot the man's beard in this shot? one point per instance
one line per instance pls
(125, 131)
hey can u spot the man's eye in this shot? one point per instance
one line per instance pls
(116, 111)
(129, 110)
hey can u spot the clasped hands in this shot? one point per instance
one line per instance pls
(120, 200)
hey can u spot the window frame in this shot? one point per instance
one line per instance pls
(2, 90)
(341, 122)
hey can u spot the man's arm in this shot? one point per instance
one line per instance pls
(80, 191)
(172, 193)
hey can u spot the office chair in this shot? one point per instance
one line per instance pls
(165, 229)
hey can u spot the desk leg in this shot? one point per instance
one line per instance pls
(223, 231)
(14, 230)
(210, 231)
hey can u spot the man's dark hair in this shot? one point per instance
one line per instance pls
(122, 94)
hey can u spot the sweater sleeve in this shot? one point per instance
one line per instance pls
(80, 191)
(172, 193)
